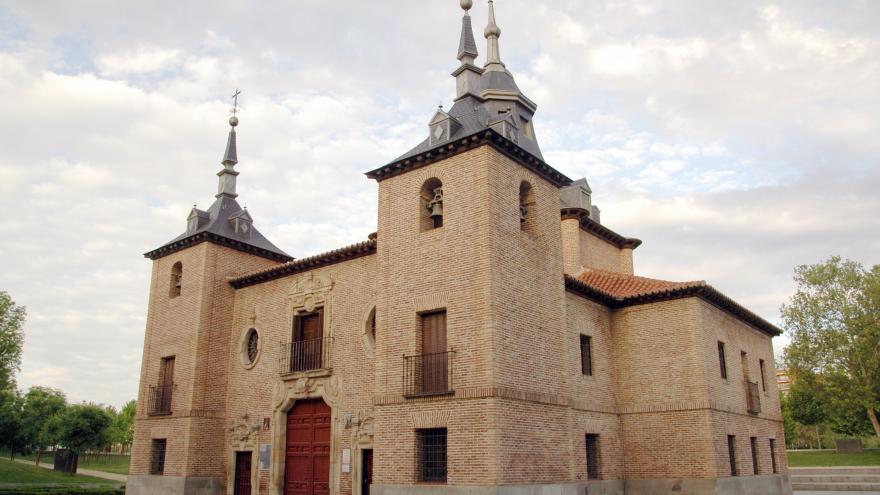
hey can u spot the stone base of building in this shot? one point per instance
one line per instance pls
(740, 485)
(177, 485)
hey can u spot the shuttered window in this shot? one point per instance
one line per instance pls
(157, 456)
(432, 455)
(722, 360)
(587, 355)
(592, 456)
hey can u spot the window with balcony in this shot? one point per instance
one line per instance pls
(432, 455)
(160, 395)
(308, 349)
(430, 371)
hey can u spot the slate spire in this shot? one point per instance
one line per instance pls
(228, 175)
(492, 33)
(467, 76)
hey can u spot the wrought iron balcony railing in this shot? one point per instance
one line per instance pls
(753, 397)
(428, 374)
(159, 399)
(305, 355)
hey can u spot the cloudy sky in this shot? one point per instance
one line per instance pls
(738, 139)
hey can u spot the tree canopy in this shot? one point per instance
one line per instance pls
(41, 404)
(83, 427)
(833, 321)
(12, 318)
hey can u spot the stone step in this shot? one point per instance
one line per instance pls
(848, 470)
(835, 478)
(836, 487)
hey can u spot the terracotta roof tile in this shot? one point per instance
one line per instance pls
(623, 286)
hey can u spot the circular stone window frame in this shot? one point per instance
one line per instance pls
(367, 337)
(243, 348)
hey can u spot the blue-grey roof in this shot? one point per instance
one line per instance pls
(219, 226)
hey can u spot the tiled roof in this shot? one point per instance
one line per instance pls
(622, 286)
(618, 290)
(305, 264)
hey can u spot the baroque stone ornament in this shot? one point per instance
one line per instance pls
(244, 434)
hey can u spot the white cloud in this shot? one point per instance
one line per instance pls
(735, 132)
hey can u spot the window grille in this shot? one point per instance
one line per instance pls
(587, 355)
(754, 444)
(253, 345)
(592, 456)
(731, 453)
(722, 360)
(773, 455)
(157, 461)
(432, 455)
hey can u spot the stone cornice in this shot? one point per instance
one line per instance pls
(599, 230)
(485, 137)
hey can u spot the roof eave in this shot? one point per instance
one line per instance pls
(466, 143)
(589, 225)
(201, 237)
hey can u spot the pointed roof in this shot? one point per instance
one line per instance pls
(467, 45)
(215, 226)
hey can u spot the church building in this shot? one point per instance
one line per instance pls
(491, 338)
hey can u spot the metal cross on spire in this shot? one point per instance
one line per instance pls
(235, 101)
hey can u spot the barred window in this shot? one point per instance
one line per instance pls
(587, 355)
(157, 458)
(722, 360)
(753, 441)
(731, 453)
(773, 455)
(592, 456)
(432, 455)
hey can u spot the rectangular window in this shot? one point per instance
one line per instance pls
(731, 453)
(754, 444)
(763, 376)
(592, 456)
(157, 460)
(587, 355)
(773, 455)
(432, 455)
(722, 360)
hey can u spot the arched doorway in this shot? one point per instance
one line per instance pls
(307, 458)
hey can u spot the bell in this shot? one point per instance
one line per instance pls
(436, 208)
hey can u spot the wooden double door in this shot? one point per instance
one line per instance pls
(307, 461)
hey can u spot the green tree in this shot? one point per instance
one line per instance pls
(41, 404)
(10, 421)
(12, 318)
(84, 427)
(788, 423)
(833, 321)
(123, 425)
(804, 404)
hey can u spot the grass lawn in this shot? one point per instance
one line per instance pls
(830, 458)
(15, 472)
(107, 464)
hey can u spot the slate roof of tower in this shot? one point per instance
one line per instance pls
(219, 229)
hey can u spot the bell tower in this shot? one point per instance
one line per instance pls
(469, 255)
(180, 427)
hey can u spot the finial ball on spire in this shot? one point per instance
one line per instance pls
(233, 121)
(467, 4)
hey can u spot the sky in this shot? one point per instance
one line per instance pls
(737, 139)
